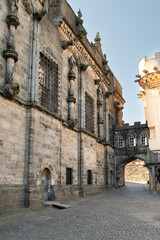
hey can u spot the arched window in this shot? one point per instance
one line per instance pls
(132, 140)
(144, 139)
(120, 141)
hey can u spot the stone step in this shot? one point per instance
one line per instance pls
(56, 204)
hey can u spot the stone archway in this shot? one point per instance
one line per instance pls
(46, 183)
(120, 169)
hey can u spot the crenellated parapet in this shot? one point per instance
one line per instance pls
(149, 72)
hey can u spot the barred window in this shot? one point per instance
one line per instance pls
(111, 128)
(89, 113)
(120, 141)
(132, 140)
(144, 139)
(48, 77)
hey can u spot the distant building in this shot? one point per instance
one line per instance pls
(149, 81)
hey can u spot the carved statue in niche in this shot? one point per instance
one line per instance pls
(100, 93)
(72, 63)
(14, 5)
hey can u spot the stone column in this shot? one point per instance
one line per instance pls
(154, 179)
(11, 89)
(71, 99)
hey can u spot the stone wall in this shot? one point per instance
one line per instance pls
(34, 137)
(135, 171)
(12, 153)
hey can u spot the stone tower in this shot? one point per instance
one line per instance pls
(149, 81)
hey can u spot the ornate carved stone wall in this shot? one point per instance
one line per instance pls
(33, 136)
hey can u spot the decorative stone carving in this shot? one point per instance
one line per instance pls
(14, 6)
(12, 20)
(66, 44)
(82, 51)
(105, 62)
(10, 53)
(100, 93)
(71, 99)
(84, 66)
(97, 38)
(10, 90)
(27, 5)
(97, 81)
(80, 30)
(97, 43)
(40, 14)
(80, 15)
(72, 63)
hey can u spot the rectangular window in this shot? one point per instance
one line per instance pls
(68, 176)
(48, 80)
(89, 177)
(111, 128)
(89, 113)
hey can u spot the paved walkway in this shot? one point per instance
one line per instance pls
(129, 213)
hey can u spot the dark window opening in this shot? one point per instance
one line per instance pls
(89, 177)
(68, 176)
(48, 81)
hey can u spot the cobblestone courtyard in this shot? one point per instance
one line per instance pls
(128, 213)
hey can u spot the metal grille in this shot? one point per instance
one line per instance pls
(89, 113)
(111, 128)
(48, 80)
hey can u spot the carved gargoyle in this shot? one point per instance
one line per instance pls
(40, 14)
(10, 90)
(72, 122)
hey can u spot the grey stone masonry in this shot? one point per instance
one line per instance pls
(47, 67)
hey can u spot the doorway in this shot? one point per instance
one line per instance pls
(46, 184)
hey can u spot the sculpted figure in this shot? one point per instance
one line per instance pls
(79, 14)
(97, 38)
(14, 5)
(100, 93)
(72, 63)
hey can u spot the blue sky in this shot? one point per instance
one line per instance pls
(129, 30)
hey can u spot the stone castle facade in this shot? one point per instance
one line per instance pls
(59, 104)
(61, 129)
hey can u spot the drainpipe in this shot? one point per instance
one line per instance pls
(80, 134)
